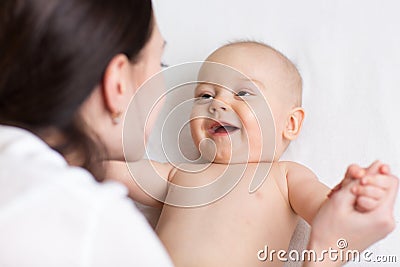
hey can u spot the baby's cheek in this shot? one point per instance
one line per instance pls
(253, 133)
(251, 123)
(260, 132)
(255, 140)
(196, 133)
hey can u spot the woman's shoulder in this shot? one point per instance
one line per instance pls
(51, 212)
(28, 165)
(30, 170)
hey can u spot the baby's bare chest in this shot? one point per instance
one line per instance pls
(223, 192)
(243, 220)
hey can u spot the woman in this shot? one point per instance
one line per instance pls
(68, 71)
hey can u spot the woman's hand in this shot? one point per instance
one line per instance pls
(339, 219)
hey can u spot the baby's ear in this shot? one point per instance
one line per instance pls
(294, 123)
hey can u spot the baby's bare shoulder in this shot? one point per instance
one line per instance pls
(296, 171)
(291, 166)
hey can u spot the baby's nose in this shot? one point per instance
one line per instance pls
(217, 105)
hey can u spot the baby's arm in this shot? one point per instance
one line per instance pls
(306, 193)
(150, 175)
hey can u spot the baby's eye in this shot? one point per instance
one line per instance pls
(163, 65)
(206, 96)
(242, 93)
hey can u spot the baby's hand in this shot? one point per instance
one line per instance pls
(370, 184)
(372, 188)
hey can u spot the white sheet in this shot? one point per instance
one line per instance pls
(348, 55)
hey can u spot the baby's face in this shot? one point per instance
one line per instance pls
(232, 121)
(228, 118)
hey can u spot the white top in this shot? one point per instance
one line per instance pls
(52, 214)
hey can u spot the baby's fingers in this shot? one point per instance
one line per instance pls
(368, 191)
(354, 172)
(364, 204)
(381, 181)
(374, 168)
(384, 169)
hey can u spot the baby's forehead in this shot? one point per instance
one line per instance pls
(233, 85)
(254, 53)
(234, 66)
(265, 67)
(248, 50)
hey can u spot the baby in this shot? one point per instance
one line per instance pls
(228, 124)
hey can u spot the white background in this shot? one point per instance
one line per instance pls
(348, 55)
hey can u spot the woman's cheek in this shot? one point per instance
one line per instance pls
(153, 117)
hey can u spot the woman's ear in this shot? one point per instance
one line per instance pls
(294, 124)
(114, 84)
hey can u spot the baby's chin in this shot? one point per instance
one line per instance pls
(228, 155)
(239, 159)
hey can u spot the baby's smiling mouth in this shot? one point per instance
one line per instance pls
(222, 128)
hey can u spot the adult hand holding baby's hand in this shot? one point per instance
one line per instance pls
(372, 185)
(339, 219)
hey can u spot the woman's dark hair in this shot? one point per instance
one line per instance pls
(54, 53)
